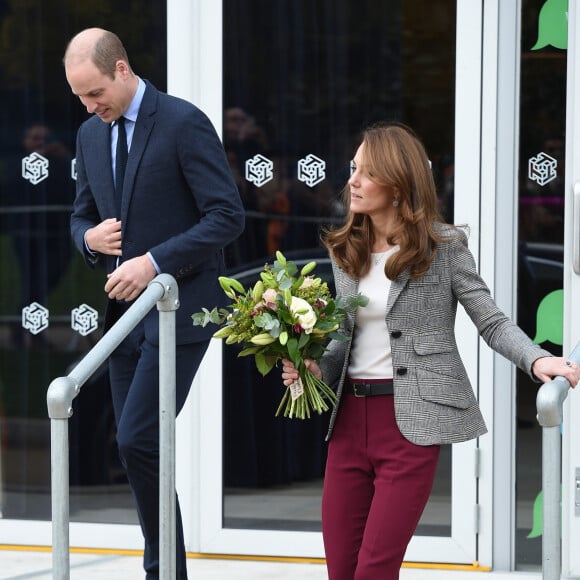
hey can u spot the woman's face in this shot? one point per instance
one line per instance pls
(367, 196)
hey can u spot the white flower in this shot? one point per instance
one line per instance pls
(307, 282)
(303, 313)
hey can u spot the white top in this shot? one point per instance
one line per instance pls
(370, 357)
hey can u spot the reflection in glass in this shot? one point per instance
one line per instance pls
(301, 80)
(43, 282)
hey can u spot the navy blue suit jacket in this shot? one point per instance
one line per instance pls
(180, 202)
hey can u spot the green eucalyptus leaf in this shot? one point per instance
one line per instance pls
(336, 335)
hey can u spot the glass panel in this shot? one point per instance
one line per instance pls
(540, 239)
(50, 303)
(301, 79)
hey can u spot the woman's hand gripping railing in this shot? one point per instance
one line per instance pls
(162, 291)
(549, 404)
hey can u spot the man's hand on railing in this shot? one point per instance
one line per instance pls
(548, 367)
(128, 280)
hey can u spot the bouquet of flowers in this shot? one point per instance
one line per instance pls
(286, 314)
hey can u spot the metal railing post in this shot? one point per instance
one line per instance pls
(549, 403)
(62, 391)
(167, 408)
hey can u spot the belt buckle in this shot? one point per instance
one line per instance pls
(360, 389)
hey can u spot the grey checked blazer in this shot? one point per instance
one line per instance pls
(434, 399)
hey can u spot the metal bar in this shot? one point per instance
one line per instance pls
(549, 403)
(61, 392)
(60, 501)
(118, 332)
(551, 468)
(167, 412)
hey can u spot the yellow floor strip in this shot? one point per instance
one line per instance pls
(475, 567)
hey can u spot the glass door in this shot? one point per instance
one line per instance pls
(51, 304)
(549, 256)
(571, 431)
(300, 80)
(541, 265)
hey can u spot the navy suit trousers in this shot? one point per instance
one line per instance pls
(134, 373)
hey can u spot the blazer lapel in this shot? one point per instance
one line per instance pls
(100, 158)
(143, 127)
(397, 286)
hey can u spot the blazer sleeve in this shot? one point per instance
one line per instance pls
(206, 171)
(85, 213)
(498, 331)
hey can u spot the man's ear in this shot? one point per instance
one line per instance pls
(122, 69)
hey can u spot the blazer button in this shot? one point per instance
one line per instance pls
(401, 372)
(396, 334)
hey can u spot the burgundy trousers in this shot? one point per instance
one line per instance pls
(376, 486)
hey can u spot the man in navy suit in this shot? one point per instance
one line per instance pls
(174, 210)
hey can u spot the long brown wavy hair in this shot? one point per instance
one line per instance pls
(396, 158)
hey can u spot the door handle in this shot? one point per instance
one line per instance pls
(576, 210)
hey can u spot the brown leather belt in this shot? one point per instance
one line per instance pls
(370, 389)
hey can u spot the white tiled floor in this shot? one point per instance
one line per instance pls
(24, 565)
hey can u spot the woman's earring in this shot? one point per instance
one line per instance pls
(395, 203)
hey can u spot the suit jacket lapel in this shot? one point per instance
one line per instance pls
(102, 160)
(143, 127)
(397, 286)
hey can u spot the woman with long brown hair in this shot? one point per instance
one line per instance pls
(402, 388)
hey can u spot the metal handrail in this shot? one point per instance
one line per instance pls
(61, 392)
(549, 404)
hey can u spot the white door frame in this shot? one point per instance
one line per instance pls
(498, 256)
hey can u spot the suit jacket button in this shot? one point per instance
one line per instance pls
(396, 334)
(401, 372)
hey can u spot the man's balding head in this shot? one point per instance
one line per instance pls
(102, 47)
(98, 72)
